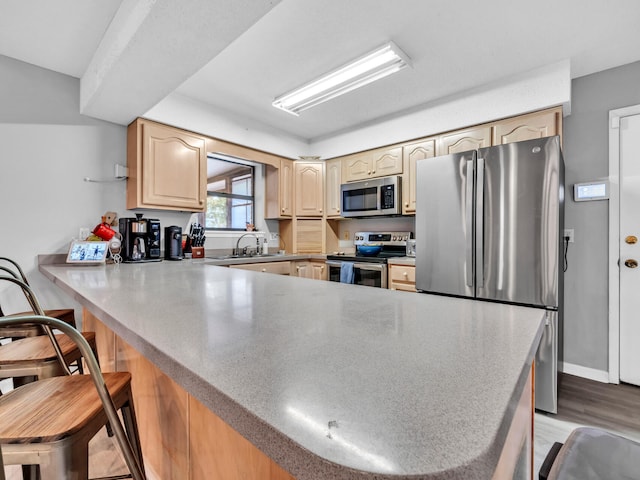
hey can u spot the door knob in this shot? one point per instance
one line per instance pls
(631, 239)
(631, 263)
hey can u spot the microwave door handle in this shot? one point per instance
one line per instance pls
(469, 224)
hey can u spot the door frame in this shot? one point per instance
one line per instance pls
(614, 237)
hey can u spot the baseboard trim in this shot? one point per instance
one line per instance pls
(584, 372)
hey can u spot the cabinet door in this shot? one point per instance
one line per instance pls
(402, 277)
(528, 127)
(318, 271)
(410, 155)
(171, 172)
(333, 170)
(309, 187)
(465, 140)
(386, 162)
(279, 268)
(286, 188)
(357, 167)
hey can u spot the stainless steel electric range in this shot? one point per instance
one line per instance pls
(370, 270)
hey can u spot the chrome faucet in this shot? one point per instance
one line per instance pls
(236, 251)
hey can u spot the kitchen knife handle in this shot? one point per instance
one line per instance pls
(480, 224)
(469, 224)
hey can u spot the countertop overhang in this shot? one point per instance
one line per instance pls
(329, 380)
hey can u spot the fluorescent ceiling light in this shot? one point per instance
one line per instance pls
(373, 66)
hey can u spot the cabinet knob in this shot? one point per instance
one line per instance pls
(405, 274)
(368, 172)
(373, 171)
(298, 268)
(338, 210)
(283, 210)
(631, 263)
(320, 210)
(406, 204)
(263, 270)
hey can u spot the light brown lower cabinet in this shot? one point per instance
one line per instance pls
(402, 277)
(180, 437)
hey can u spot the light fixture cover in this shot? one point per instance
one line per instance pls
(368, 68)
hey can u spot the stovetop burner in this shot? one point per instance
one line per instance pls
(394, 244)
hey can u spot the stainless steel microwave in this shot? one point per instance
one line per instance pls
(367, 198)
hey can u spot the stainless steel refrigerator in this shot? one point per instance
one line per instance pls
(489, 226)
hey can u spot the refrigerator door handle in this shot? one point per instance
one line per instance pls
(469, 224)
(480, 223)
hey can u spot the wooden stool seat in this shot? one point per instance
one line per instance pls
(56, 408)
(67, 315)
(39, 349)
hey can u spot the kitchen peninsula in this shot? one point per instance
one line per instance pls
(325, 380)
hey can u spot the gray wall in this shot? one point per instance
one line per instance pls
(46, 150)
(586, 154)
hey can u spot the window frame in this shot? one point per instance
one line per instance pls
(202, 216)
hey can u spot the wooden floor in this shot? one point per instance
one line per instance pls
(580, 402)
(583, 402)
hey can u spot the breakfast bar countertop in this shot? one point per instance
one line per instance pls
(329, 380)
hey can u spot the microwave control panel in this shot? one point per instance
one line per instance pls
(387, 196)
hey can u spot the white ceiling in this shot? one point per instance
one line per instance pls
(239, 55)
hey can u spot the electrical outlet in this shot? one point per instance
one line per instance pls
(346, 235)
(83, 233)
(568, 233)
(275, 236)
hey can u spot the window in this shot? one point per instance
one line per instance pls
(230, 200)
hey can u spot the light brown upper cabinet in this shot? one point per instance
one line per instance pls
(527, 127)
(410, 155)
(372, 164)
(464, 140)
(279, 190)
(333, 174)
(309, 188)
(167, 168)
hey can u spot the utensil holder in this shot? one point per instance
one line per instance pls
(197, 252)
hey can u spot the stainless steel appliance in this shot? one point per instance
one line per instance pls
(368, 270)
(378, 196)
(140, 239)
(489, 226)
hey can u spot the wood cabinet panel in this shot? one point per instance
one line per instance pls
(464, 140)
(402, 277)
(221, 453)
(386, 161)
(410, 155)
(162, 412)
(309, 188)
(312, 270)
(279, 268)
(309, 235)
(527, 127)
(333, 174)
(380, 162)
(105, 341)
(279, 190)
(167, 168)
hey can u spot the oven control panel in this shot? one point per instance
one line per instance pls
(385, 238)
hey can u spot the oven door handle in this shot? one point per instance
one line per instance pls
(333, 263)
(380, 267)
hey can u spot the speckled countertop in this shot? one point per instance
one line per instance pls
(329, 380)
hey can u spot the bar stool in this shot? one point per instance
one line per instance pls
(49, 422)
(42, 356)
(592, 454)
(67, 315)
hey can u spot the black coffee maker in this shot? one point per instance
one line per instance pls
(173, 243)
(140, 239)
